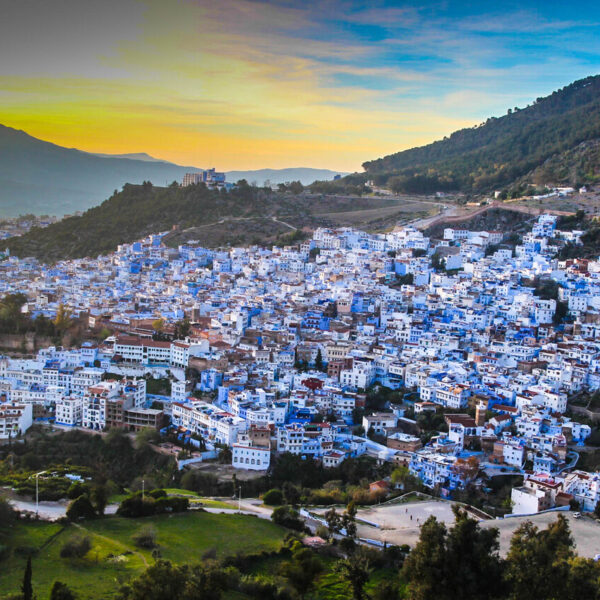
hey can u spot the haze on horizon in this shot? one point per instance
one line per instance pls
(247, 84)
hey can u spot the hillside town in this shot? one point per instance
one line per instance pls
(278, 350)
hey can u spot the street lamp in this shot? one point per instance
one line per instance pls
(37, 492)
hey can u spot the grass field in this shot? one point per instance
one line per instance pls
(182, 538)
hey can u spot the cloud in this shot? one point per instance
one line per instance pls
(328, 82)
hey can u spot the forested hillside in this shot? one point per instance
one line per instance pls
(554, 141)
(139, 210)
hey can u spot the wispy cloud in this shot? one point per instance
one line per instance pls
(247, 83)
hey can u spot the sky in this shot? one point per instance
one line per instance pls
(245, 84)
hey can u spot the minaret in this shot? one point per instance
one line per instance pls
(480, 413)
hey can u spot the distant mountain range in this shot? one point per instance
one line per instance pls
(554, 140)
(42, 178)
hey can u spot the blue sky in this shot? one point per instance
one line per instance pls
(254, 83)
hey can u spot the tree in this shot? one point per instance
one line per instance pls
(7, 513)
(76, 489)
(77, 546)
(356, 571)
(61, 591)
(286, 516)
(334, 521)
(473, 567)
(319, 360)
(273, 497)
(62, 321)
(349, 520)
(296, 187)
(145, 537)
(27, 587)
(302, 570)
(182, 328)
(537, 564)
(424, 568)
(291, 493)
(163, 580)
(158, 325)
(81, 508)
(145, 436)
(399, 475)
(99, 498)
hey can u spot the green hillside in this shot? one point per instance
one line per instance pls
(246, 215)
(552, 141)
(139, 210)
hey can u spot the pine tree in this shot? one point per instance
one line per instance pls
(27, 588)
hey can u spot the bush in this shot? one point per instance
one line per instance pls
(61, 591)
(77, 489)
(273, 497)
(286, 516)
(77, 546)
(145, 537)
(81, 508)
(7, 513)
(156, 494)
(135, 506)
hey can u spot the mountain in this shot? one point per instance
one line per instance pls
(304, 175)
(552, 141)
(42, 178)
(243, 216)
(132, 156)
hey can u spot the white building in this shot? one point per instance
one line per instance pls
(15, 419)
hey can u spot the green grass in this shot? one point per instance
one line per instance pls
(182, 538)
(211, 503)
(185, 537)
(195, 499)
(180, 492)
(91, 577)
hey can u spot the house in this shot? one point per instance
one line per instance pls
(379, 422)
(333, 459)
(404, 442)
(15, 419)
(538, 493)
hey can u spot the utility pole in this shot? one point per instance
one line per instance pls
(142, 490)
(37, 492)
(240, 499)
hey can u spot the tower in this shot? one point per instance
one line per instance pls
(480, 411)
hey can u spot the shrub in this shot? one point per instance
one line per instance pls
(81, 508)
(273, 497)
(145, 537)
(61, 591)
(77, 489)
(135, 506)
(286, 516)
(7, 513)
(77, 546)
(156, 494)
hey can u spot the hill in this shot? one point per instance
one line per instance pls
(304, 175)
(554, 140)
(42, 178)
(245, 215)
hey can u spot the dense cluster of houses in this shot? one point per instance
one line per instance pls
(285, 342)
